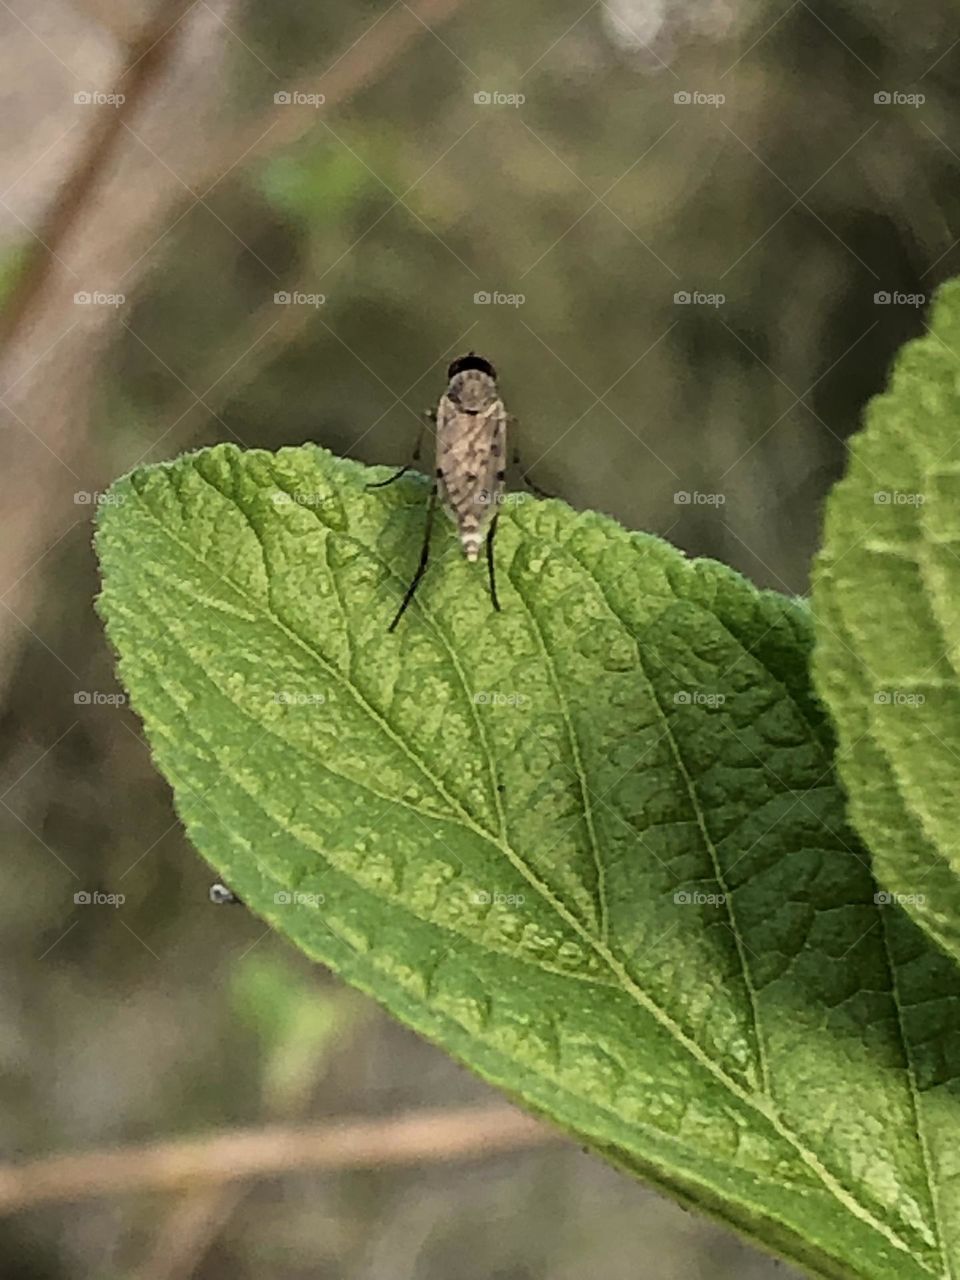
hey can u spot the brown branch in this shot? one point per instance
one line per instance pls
(190, 1230)
(146, 63)
(187, 1231)
(425, 1136)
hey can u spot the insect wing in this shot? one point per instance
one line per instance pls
(470, 460)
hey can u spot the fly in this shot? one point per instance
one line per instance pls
(470, 471)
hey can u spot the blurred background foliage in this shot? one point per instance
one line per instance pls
(597, 199)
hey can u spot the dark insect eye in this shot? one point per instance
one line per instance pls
(471, 361)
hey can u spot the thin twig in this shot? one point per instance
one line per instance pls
(190, 1230)
(427, 1136)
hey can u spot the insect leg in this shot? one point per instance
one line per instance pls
(493, 582)
(431, 416)
(524, 475)
(424, 557)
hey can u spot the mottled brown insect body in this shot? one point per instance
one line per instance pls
(471, 449)
(470, 469)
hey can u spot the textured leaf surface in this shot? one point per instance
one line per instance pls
(591, 845)
(887, 600)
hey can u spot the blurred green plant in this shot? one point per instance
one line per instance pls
(298, 1026)
(12, 263)
(886, 593)
(317, 182)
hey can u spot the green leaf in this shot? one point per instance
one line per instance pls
(887, 602)
(591, 845)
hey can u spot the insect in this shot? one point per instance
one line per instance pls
(470, 471)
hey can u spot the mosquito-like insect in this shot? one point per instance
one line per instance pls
(470, 473)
